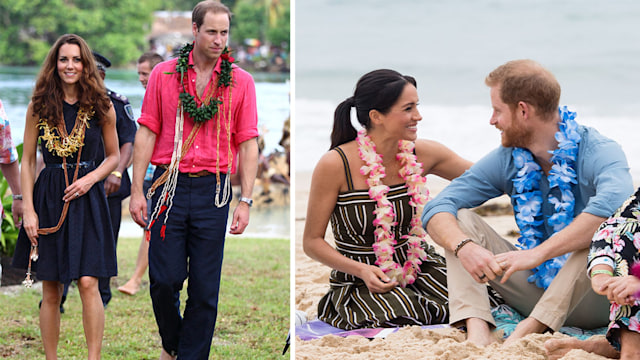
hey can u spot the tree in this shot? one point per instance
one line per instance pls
(30, 27)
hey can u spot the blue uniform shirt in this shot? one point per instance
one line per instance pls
(126, 128)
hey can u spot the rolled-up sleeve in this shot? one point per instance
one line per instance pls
(485, 180)
(151, 116)
(246, 110)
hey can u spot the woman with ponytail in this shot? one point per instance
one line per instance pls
(371, 187)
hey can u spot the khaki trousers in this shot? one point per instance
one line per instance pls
(569, 299)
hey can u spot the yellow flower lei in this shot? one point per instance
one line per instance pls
(66, 145)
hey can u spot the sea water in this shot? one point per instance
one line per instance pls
(592, 47)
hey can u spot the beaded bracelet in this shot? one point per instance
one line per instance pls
(601, 271)
(460, 245)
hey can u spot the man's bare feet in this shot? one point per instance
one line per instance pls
(524, 328)
(130, 288)
(479, 332)
(164, 355)
(557, 348)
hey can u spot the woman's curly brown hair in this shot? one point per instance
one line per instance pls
(48, 95)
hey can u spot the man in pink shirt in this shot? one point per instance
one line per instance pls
(198, 125)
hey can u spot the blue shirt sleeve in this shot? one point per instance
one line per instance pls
(604, 179)
(485, 180)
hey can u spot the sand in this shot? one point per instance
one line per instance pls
(312, 282)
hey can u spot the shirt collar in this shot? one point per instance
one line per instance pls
(216, 68)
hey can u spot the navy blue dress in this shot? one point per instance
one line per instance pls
(84, 245)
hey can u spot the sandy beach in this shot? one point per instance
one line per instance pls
(312, 282)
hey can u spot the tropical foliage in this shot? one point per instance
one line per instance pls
(30, 27)
(9, 230)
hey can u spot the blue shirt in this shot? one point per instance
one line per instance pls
(604, 182)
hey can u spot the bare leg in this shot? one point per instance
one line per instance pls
(50, 318)
(133, 285)
(165, 355)
(629, 344)
(479, 332)
(524, 328)
(557, 348)
(92, 315)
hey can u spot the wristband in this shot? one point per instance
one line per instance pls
(601, 271)
(460, 245)
(118, 174)
(17, 197)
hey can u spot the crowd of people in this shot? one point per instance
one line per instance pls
(570, 190)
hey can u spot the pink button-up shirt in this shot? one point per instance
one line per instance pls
(159, 110)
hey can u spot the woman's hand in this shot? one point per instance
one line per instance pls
(78, 188)
(30, 225)
(600, 283)
(622, 290)
(375, 279)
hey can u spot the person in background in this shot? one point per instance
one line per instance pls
(563, 179)
(614, 268)
(198, 126)
(10, 166)
(146, 63)
(117, 185)
(66, 233)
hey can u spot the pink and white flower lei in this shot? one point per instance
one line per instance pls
(411, 173)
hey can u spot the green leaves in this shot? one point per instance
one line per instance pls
(115, 29)
(10, 232)
(204, 112)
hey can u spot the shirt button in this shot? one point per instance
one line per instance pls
(196, 146)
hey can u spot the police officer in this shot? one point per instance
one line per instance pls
(117, 185)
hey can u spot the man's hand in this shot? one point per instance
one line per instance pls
(16, 212)
(512, 261)
(138, 209)
(112, 184)
(479, 262)
(240, 218)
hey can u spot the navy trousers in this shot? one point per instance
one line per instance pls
(115, 211)
(192, 248)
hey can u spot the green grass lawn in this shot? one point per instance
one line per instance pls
(253, 312)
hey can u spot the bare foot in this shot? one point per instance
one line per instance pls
(164, 355)
(130, 288)
(557, 348)
(524, 328)
(479, 332)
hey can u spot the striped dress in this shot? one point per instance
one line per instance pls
(349, 304)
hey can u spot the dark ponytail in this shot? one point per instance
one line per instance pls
(376, 90)
(343, 130)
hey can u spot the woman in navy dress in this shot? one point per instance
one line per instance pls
(66, 218)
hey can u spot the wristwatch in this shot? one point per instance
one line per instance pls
(247, 200)
(118, 174)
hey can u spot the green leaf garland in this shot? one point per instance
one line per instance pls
(204, 112)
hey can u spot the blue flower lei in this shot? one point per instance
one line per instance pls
(528, 200)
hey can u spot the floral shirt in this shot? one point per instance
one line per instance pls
(8, 152)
